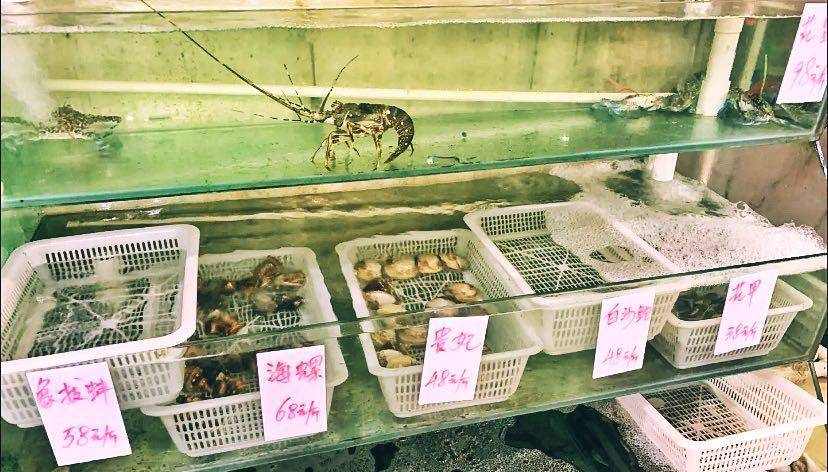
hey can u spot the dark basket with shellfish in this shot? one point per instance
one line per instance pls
(409, 278)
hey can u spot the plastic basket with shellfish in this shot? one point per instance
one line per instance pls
(431, 270)
(689, 336)
(559, 247)
(228, 417)
(746, 422)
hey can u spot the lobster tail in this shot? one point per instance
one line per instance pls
(404, 126)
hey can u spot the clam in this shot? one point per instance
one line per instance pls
(384, 355)
(383, 338)
(443, 307)
(368, 270)
(401, 268)
(269, 301)
(290, 280)
(400, 361)
(429, 264)
(415, 335)
(378, 298)
(462, 292)
(390, 309)
(454, 262)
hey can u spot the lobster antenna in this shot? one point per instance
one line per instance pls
(241, 77)
(264, 116)
(325, 100)
(290, 79)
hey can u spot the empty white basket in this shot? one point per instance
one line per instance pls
(235, 422)
(147, 306)
(508, 336)
(746, 422)
(558, 247)
(688, 344)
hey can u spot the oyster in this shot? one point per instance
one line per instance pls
(443, 307)
(462, 292)
(368, 270)
(401, 268)
(385, 354)
(384, 338)
(390, 309)
(429, 264)
(378, 298)
(400, 361)
(454, 262)
(415, 335)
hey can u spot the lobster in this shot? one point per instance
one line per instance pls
(352, 120)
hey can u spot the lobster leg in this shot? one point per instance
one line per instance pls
(378, 145)
(334, 137)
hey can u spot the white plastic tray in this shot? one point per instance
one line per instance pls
(507, 335)
(235, 422)
(552, 248)
(746, 422)
(162, 260)
(687, 344)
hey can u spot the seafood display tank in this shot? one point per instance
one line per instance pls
(354, 170)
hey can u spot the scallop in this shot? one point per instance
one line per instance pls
(368, 270)
(429, 264)
(454, 262)
(401, 268)
(400, 361)
(443, 307)
(415, 335)
(463, 293)
(379, 298)
(390, 309)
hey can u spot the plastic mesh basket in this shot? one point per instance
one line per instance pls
(746, 422)
(507, 336)
(568, 246)
(235, 422)
(688, 344)
(121, 296)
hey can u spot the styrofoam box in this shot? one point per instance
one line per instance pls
(559, 247)
(687, 344)
(746, 422)
(161, 261)
(235, 422)
(508, 335)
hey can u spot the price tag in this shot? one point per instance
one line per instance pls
(745, 311)
(454, 347)
(80, 413)
(804, 79)
(292, 385)
(622, 333)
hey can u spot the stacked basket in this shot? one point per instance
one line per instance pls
(122, 296)
(235, 422)
(508, 336)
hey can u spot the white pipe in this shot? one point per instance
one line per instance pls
(662, 167)
(719, 65)
(707, 161)
(111, 86)
(752, 56)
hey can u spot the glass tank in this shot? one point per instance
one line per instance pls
(161, 98)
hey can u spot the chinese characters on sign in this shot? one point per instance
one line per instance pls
(745, 311)
(452, 359)
(622, 333)
(292, 385)
(80, 413)
(804, 79)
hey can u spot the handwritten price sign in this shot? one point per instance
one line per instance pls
(292, 385)
(80, 413)
(622, 333)
(804, 79)
(745, 311)
(454, 348)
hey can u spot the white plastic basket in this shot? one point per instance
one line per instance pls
(147, 306)
(566, 246)
(235, 422)
(508, 336)
(687, 344)
(745, 422)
